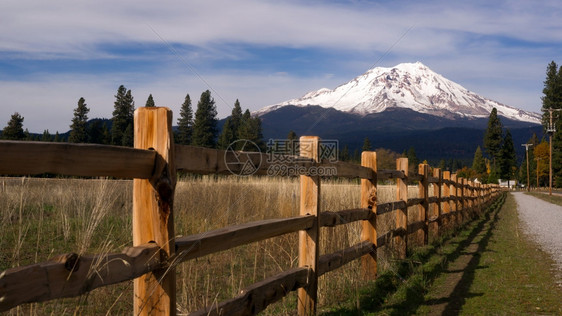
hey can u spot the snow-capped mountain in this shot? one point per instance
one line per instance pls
(409, 85)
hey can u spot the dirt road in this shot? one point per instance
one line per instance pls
(542, 221)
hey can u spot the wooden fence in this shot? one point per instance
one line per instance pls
(155, 253)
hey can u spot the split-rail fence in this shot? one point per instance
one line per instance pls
(155, 252)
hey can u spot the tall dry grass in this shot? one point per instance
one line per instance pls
(42, 218)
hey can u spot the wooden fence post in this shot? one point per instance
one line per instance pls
(369, 227)
(153, 220)
(455, 194)
(467, 195)
(447, 204)
(473, 202)
(308, 239)
(461, 206)
(423, 170)
(470, 194)
(479, 197)
(437, 205)
(401, 239)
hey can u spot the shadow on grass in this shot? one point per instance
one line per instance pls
(409, 279)
(461, 292)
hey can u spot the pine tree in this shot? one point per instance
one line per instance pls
(236, 117)
(28, 136)
(493, 136)
(412, 158)
(123, 114)
(494, 176)
(57, 137)
(229, 132)
(227, 135)
(250, 129)
(245, 129)
(205, 124)
(478, 163)
(128, 136)
(366, 144)
(106, 134)
(552, 99)
(508, 157)
(185, 123)
(129, 133)
(78, 132)
(551, 92)
(95, 132)
(150, 102)
(14, 129)
(46, 137)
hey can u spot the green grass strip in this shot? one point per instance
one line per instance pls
(501, 273)
(554, 199)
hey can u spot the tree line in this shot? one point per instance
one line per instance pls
(501, 162)
(198, 129)
(539, 151)
(498, 160)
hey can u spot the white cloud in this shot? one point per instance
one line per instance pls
(497, 49)
(70, 27)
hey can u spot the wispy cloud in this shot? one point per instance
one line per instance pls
(52, 53)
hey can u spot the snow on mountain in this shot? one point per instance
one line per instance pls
(408, 85)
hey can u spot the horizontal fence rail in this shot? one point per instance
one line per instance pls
(84, 160)
(153, 165)
(72, 275)
(199, 245)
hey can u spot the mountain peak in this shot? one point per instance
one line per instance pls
(407, 85)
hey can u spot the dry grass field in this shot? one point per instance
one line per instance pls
(42, 218)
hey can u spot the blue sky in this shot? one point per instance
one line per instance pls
(260, 52)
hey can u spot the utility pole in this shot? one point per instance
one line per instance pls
(527, 153)
(551, 129)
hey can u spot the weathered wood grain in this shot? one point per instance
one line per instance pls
(72, 275)
(369, 226)
(390, 206)
(349, 170)
(153, 216)
(331, 262)
(258, 296)
(309, 239)
(423, 209)
(402, 213)
(85, 160)
(194, 246)
(384, 174)
(332, 219)
(446, 194)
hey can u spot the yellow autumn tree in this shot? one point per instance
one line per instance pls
(541, 152)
